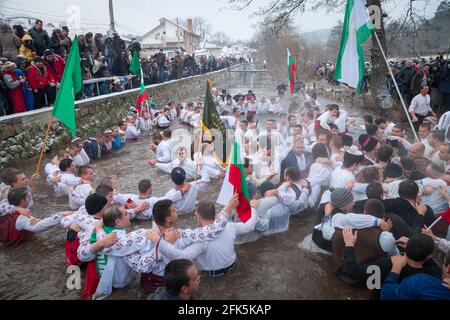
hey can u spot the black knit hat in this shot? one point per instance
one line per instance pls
(178, 176)
(38, 59)
(367, 143)
(95, 203)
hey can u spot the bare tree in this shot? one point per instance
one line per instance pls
(277, 14)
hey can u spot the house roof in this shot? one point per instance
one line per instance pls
(171, 22)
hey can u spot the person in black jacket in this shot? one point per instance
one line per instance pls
(296, 158)
(408, 206)
(405, 77)
(399, 227)
(40, 37)
(418, 249)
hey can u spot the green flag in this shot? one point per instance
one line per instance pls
(135, 66)
(71, 84)
(211, 120)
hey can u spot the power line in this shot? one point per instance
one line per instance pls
(141, 8)
(14, 10)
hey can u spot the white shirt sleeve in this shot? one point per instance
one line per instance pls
(354, 220)
(165, 153)
(387, 243)
(172, 253)
(249, 226)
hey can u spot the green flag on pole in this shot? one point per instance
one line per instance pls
(135, 65)
(357, 28)
(71, 84)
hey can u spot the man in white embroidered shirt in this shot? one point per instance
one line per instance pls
(216, 257)
(420, 107)
(163, 147)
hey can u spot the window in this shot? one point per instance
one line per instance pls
(157, 36)
(164, 33)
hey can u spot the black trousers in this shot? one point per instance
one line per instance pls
(49, 92)
(419, 121)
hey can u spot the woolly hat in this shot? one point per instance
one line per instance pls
(95, 203)
(341, 197)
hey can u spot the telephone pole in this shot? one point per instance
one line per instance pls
(111, 17)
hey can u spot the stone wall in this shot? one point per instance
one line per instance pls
(22, 135)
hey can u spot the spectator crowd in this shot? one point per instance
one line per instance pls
(32, 64)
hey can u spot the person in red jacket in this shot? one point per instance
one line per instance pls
(55, 64)
(14, 86)
(42, 83)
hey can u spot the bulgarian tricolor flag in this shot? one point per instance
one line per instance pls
(234, 181)
(136, 69)
(357, 28)
(291, 71)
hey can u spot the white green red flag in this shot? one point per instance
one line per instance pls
(291, 71)
(136, 69)
(357, 28)
(234, 181)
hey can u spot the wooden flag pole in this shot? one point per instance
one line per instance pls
(44, 145)
(396, 87)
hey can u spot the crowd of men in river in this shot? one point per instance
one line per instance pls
(375, 197)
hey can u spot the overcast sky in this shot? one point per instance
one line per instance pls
(140, 16)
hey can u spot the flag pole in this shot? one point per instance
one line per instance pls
(44, 145)
(396, 86)
(434, 223)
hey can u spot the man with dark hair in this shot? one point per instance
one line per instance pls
(77, 196)
(384, 155)
(436, 139)
(80, 225)
(189, 190)
(359, 272)
(163, 147)
(68, 179)
(181, 279)
(41, 40)
(341, 176)
(13, 178)
(144, 200)
(368, 119)
(385, 127)
(216, 257)
(420, 107)
(369, 145)
(424, 134)
(16, 228)
(408, 207)
(138, 252)
(334, 115)
(420, 285)
(296, 158)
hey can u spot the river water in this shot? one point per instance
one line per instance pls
(273, 267)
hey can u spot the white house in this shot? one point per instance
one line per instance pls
(170, 36)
